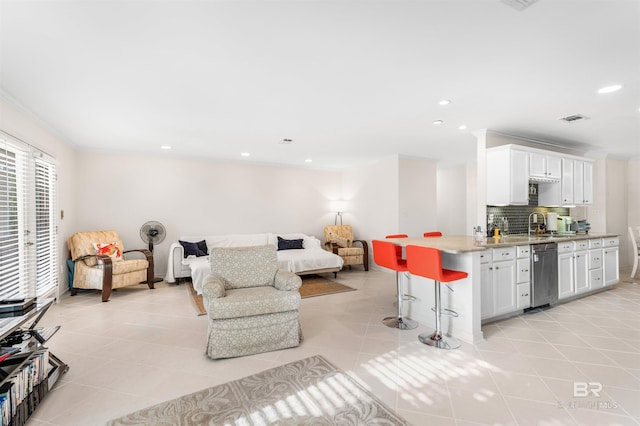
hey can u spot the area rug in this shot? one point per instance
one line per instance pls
(317, 285)
(312, 285)
(311, 391)
(197, 299)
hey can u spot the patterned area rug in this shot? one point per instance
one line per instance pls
(311, 391)
(312, 285)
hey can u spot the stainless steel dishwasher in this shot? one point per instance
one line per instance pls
(544, 274)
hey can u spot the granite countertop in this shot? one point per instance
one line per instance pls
(516, 240)
(453, 244)
(456, 244)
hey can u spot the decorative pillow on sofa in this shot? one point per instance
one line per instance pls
(194, 249)
(289, 244)
(108, 249)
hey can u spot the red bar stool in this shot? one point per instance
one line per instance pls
(433, 234)
(398, 248)
(385, 255)
(427, 262)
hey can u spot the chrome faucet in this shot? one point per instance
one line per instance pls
(532, 214)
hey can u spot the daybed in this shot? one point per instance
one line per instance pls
(311, 259)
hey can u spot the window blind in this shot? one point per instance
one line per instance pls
(45, 228)
(28, 242)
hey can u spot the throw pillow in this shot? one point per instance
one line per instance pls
(108, 249)
(289, 244)
(194, 249)
(340, 241)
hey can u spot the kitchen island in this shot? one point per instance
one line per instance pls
(498, 281)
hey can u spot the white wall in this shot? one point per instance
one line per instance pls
(199, 197)
(23, 126)
(633, 200)
(452, 199)
(372, 197)
(418, 200)
(616, 205)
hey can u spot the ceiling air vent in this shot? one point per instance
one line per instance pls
(285, 141)
(519, 5)
(573, 118)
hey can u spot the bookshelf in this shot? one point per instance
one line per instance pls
(27, 375)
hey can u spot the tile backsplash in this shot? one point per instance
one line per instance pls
(514, 219)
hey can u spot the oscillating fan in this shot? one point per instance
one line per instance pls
(152, 232)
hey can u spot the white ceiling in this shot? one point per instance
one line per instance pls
(348, 81)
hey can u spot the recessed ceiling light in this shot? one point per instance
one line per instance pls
(437, 122)
(444, 102)
(165, 147)
(462, 127)
(609, 89)
(245, 154)
(308, 160)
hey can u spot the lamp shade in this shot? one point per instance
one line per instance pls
(338, 206)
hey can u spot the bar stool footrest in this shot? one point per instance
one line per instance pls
(447, 312)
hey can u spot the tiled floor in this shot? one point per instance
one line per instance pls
(144, 347)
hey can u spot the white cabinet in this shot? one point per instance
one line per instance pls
(505, 281)
(507, 176)
(581, 274)
(523, 277)
(504, 287)
(544, 166)
(582, 182)
(610, 257)
(575, 188)
(582, 265)
(595, 264)
(486, 290)
(566, 183)
(566, 271)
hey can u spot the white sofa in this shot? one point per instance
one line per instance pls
(312, 259)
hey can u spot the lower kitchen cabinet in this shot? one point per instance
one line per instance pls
(566, 270)
(611, 262)
(581, 265)
(505, 281)
(584, 266)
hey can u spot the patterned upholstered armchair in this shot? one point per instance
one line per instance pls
(339, 240)
(99, 262)
(253, 306)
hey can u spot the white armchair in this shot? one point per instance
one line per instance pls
(252, 305)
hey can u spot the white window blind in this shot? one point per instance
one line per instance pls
(28, 243)
(45, 227)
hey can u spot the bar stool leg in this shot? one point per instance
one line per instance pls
(437, 339)
(400, 322)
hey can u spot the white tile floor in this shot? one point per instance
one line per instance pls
(146, 346)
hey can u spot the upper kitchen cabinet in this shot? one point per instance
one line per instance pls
(582, 182)
(563, 180)
(507, 176)
(575, 188)
(544, 167)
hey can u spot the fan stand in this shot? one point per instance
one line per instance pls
(155, 279)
